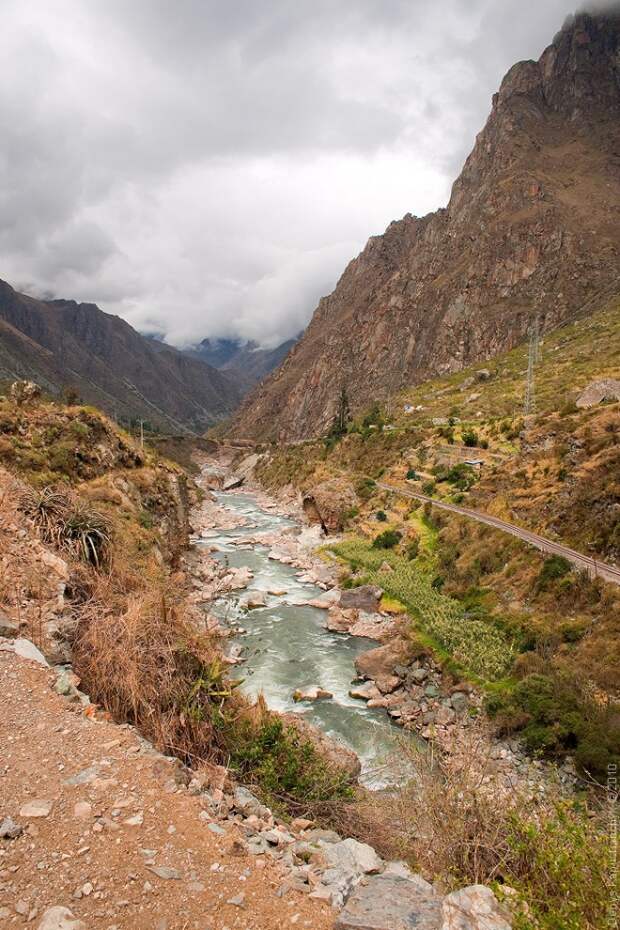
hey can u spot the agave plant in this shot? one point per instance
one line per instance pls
(68, 524)
(47, 508)
(87, 533)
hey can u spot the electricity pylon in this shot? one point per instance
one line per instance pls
(529, 404)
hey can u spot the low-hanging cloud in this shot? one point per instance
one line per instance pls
(208, 169)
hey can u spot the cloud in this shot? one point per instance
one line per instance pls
(208, 169)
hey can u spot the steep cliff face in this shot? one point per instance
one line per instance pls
(532, 229)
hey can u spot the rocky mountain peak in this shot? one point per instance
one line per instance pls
(532, 229)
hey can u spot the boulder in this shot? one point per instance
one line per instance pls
(380, 662)
(474, 908)
(314, 693)
(366, 692)
(329, 503)
(339, 620)
(598, 391)
(352, 856)
(247, 803)
(391, 902)
(232, 481)
(366, 598)
(27, 650)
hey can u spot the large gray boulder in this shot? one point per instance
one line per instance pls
(598, 391)
(390, 902)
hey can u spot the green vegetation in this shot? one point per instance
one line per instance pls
(288, 768)
(387, 540)
(479, 646)
(69, 523)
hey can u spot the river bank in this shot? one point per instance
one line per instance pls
(376, 686)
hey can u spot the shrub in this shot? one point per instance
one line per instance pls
(69, 524)
(387, 540)
(365, 488)
(381, 516)
(470, 438)
(556, 566)
(412, 474)
(428, 488)
(413, 549)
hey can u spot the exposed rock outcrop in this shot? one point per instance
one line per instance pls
(328, 504)
(531, 229)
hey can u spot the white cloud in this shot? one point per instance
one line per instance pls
(208, 169)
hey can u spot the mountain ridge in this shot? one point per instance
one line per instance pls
(532, 229)
(63, 344)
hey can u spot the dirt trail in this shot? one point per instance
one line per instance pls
(96, 850)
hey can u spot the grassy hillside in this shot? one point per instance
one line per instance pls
(543, 640)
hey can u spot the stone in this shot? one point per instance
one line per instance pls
(459, 701)
(232, 481)
(418, 674)
(9, 830)
(365, 692)
(366, 597)
(598, 391)
(381, 661)
(474, 908)
(40, 807)
(60, 918)
(238, 900)
(27, 650)
(339, 620)
(165, 872)
(351, 855)
(254, 600)
(315, 693)
(247, 803)
(335, 886)
(387, 683)
(431, 691)
(82, 810)
(389, 902)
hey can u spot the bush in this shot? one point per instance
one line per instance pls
(470, 438)
(428, 488)
(412, 474)
(387, 540)
(555, 716)
(413, 549)
(556, 566)
(381, 516)
(365, 488)
(69, 523)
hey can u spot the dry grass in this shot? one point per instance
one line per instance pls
(151, 666)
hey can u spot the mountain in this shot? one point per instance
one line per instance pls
(532, 230)
(245, 361)
(61, 344)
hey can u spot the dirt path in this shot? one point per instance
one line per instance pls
(592, 566)
(117, 816)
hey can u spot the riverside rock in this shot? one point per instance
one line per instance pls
(366, 597)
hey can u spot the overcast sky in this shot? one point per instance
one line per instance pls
(208, 167)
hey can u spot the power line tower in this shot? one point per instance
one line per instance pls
(529, 404)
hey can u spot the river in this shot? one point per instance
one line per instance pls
(286, 646)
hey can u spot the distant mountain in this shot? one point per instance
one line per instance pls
(63, 344)
(532, 231)
(246, 362)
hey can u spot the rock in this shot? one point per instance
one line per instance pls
(598, 391)
(474, 908)
(28, 650)
(366, 692)
(329, 503)
(321, 835)
(82, 810)
(238, 900)
(366, 597)
(37, 808)
(381, 661)
(8, 628)
(60, 918)
(387, 683)
(351, 856)
(444, 716)
(165, 872)
(339, 620)
(431, 691)
(335, 886)
(459, 701)
(315, 693)
(9, 830)
(248, 804)
(254, 600)
(483, 374)
(418, 674)
(389, 902)
(232, 481)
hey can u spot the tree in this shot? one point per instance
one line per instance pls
(343, 415)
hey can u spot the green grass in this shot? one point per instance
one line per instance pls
(480, 647)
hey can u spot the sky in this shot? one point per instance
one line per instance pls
(207, 169)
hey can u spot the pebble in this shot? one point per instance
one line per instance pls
(37, 808)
